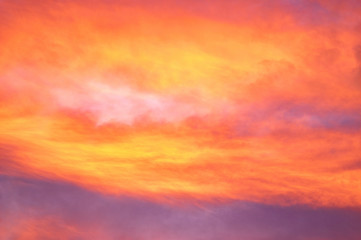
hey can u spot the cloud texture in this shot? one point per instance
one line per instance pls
(249, 110)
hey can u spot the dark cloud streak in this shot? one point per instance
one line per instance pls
(131, 218)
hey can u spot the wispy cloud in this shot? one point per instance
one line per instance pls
(167, 101)
(42, 209)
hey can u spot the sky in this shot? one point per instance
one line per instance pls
(180, 120)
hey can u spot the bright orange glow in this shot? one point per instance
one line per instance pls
(139, 101)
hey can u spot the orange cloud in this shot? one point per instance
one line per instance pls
(134, 100)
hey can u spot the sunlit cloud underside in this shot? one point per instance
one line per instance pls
(181, 119)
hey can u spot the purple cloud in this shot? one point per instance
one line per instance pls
(124, 217)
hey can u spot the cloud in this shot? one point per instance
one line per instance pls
(241, 100)
(30, 208)
(124, 105)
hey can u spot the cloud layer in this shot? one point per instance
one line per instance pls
(38, 209)
(249, 109)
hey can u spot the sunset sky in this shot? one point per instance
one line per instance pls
(180, 119)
